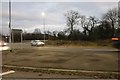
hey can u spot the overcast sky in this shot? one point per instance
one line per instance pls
(27, 15)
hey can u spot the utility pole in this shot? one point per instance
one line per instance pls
(44, 28)
(10, 31)
(21, 38)
(43, 16)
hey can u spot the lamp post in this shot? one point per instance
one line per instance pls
(43, 16)
(10, 31)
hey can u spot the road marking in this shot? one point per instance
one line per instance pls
(5, 73)
(53, 69)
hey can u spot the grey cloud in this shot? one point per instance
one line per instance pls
(28, 14)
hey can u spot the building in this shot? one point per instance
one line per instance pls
(16, 35)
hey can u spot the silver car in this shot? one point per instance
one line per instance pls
(37, 43)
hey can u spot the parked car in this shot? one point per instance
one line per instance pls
(116, 41)
(37, 43)
(3, 45)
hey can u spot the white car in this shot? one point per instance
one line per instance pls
(37, 43)
(3, 46)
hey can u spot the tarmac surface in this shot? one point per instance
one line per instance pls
(62, 57)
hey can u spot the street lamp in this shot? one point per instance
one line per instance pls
(43, 16)
(10, 25)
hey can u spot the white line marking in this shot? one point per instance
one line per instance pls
(50, 69)
(5, 73)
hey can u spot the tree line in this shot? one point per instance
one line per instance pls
(80, 27)
(91, 28)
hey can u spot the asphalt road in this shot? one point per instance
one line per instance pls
(77, 58)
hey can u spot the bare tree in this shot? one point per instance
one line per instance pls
(55, 33)
(112, 17)
(82, 22)
(72, 19)
(37, 31)
(88, 24)
(49, 34)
